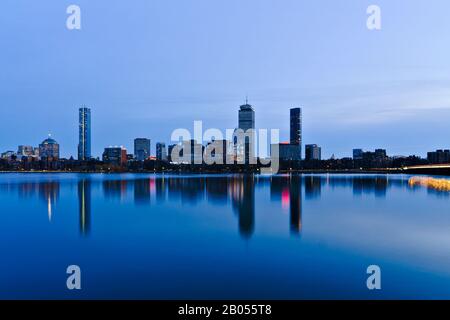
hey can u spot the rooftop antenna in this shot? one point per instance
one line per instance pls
(246, 99)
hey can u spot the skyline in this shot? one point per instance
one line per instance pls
(357, 88)
(246, 115)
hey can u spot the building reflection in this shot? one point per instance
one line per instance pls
(142, 191)
(217, 189)
(295, 204)
(242, 193)
(287, 190)
(189, 189)
(377, 185)
(115, 189)
(160, 186)
(49, 193)
(84, 205)
(313, 187)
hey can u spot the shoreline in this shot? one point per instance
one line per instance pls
(339, 172)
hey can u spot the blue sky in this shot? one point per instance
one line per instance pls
(147, 67)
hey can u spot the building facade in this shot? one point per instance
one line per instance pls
(49, 149)
(313, 152)
(439, 157)
(25, 151)
(246, 121)
(115, 156)
(358, 154)
(84, 134)
(141, 148)
(161, 151)
(296, 128)
(286, 151)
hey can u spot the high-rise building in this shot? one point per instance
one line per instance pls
(49, 149)
(358, 154)
(115, 156)
(246, 117)
(141, 148)
(161, 152)
(296, 126)
(84, 201)
(247, 122)
(84, 134)
(313, 152)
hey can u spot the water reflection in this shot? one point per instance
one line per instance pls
(287, 190)
(84, 203)
(234, 191)
(47, 192)
(313, 187)
(142, 191)
(115, 189)
(242, 191)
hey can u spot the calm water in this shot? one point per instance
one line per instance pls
(211, 237)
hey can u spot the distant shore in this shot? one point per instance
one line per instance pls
(391, 171)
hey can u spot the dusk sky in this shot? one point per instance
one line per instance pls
(147, 67)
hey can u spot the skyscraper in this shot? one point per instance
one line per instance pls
(161, 152)
(247, 122)
(246, 117)
(84, 134)
(313, 152)
(141, 148)
(296, 128)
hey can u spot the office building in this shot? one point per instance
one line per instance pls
(141, 149)
(287, 151)
(296, 128)
(358, 154)
(313, 152)
(115, 156)
(439, 157)
(8, 155)
(25, 151)
(49, 149)
(246, 120)
(246, 117)
(161, 152)
(84, 134)
(169, 152)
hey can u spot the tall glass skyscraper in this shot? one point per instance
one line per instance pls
(296, 128)
(84, 135)
(141, 148)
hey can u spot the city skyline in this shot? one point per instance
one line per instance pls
(292, 148)
(359, 88)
